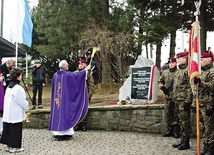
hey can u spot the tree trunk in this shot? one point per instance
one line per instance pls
(203, 31)
(147, 52)
(172, 44)
(139, 47)
(142, 10)
(151, 48)
(105, 13)
(158, 54)
(106, 71)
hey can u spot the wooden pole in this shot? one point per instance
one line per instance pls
(197, 121)
(197, 13)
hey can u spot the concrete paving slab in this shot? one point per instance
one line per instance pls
(40, 142)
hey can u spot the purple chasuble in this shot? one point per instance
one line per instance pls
(1, 96)
(69, 99)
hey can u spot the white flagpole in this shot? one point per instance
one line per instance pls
(26, 68)
(16, 54)
(197, 13)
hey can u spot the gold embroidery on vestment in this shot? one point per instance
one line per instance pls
(58, 94)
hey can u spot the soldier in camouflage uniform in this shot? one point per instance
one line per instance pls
(90, 81)
(206, 104)
(166, 84)
(90, 85)
(182, 95)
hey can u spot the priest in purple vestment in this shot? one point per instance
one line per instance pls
(69, 101)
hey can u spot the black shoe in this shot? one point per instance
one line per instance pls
(210, 150)
(176, 130)
(84, 128)
(77, 127)
(179, 143)
(204, 151)
(185, 145)
(63, 137)
(33, 107)
(169, 133)
(40, 107)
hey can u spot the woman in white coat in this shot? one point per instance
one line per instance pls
(15, 106)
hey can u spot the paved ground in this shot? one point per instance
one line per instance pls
(40, 142)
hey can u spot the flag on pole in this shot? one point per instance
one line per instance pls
(18, 22)
(194, 56)
(195, 70)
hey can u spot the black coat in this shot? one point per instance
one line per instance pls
(5, 71)
(38, 75)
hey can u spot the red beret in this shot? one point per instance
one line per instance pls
(172, 59)
(81, 61)
(181, 54)
(206, 55)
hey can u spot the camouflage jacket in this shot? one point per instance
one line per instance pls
(206, 87)
(181, 85)
(90, 84)
(167, 78)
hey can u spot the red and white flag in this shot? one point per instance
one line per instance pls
(194, 53)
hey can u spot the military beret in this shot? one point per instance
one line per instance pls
(81, 61)
(172, 59)
(181, 54)
(37, 62)
(206, 55)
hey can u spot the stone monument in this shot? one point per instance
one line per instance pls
(125, 90)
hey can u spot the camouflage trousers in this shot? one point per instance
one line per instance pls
(184, 118)
(171, 114)
(208, 135)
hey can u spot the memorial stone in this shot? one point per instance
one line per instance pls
(139, 83)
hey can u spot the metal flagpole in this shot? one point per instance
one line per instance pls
(16, 54)
(197, 13)
(26, 68)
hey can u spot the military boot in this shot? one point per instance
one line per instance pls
(204, 151)
(84, 128)
(169, 132)
(210, 150)
(176, 130)
(83, 124)
(185, 145)
(77, 127)
(179, 143)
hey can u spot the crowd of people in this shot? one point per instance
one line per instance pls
(180, 100)
(69, 105)
(72, 92)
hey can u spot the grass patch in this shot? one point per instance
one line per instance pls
(101, 95)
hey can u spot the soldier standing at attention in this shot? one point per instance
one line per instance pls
(206, 95)
(166, 84)
(182, 95)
